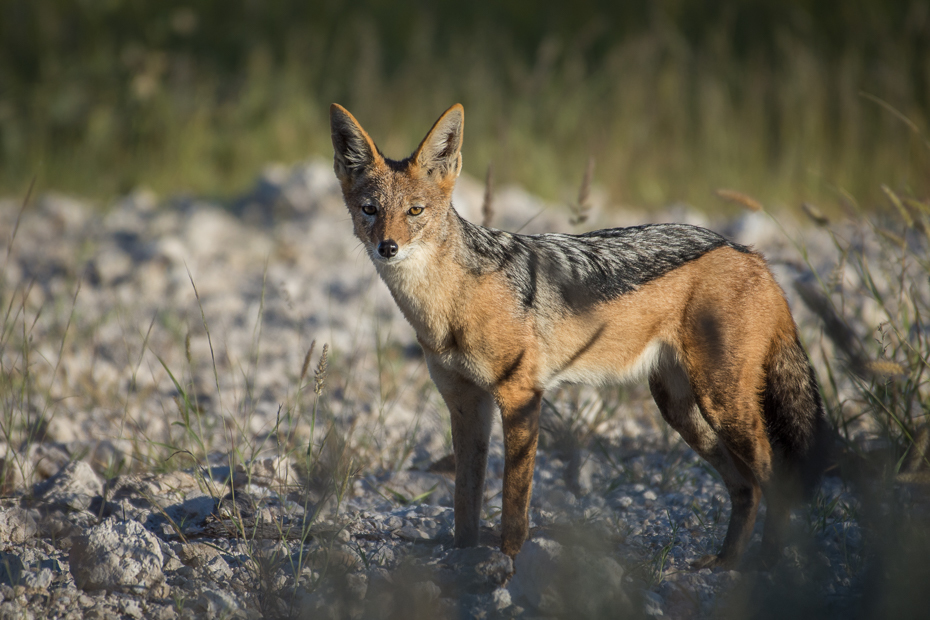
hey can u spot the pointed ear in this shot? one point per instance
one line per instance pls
(354, 150)
(440, 152)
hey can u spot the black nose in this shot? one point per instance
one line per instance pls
(387, 248)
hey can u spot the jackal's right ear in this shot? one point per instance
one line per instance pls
(354, 150)
(440, 153)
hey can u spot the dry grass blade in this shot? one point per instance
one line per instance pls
(834, 326)
(893, 238)
(741, 199)
(844, 337)
(581, 209)
(61, 347)
(815, 214)
(895, 112)
(306, 364)
(203, 318)
(917, 205)
(893, 197)
(9, 248)
(487, 207)
(914, 468)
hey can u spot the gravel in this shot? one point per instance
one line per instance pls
(157, 464)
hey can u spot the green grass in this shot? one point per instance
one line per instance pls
(671, 104)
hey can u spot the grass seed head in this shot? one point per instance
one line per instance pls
(885, 368)
(320, 374)
(744, 200)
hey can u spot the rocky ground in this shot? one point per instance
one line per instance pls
(216, 411)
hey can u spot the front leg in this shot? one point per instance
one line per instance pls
(520, 407)
(471, 409)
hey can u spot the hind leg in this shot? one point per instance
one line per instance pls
(676, 401)
(778, 514)
(739, 424)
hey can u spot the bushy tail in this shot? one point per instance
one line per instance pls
(795, 419)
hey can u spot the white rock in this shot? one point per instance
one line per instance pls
(74, 487)
(112, 264)
(536, 572)
(218, 569)
(624, 501)
(16, 525)
(66, 212)
(62, 429)
(40, 580)
(652, 604)
(556, 580)
(117, 555)
(216, 604)
(131, 608)
(308, 184)
(500, 598)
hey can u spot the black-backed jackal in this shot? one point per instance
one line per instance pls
(502, 317)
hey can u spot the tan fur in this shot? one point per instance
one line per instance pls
(704, 335)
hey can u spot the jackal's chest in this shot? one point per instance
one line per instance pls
(465, 324)
(454, 355)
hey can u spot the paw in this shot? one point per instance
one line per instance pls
(465, 539)
(713, 561)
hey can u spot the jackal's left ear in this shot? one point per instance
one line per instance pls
(354, 150)
(440, 153)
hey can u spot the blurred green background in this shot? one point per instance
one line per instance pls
(789, 100)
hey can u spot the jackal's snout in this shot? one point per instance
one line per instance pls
(387, 248)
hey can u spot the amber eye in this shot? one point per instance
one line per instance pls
(415, 210)
(369, 209)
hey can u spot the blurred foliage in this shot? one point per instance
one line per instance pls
(672, 98)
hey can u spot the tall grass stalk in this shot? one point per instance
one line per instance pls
(667, 118)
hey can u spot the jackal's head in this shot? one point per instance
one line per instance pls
(398, 207)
